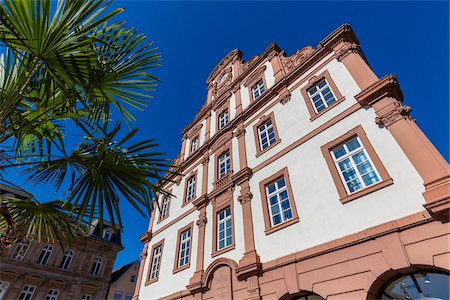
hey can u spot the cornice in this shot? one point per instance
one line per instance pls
(385, 87)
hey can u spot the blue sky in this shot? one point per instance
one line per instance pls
(409, 39)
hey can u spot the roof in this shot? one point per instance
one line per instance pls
(117, 273)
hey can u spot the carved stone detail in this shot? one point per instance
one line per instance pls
(239, 131)
(205, 158)
(285, 97)
(345, 50)
(250, 62)
(201, 222)
(245, 197)
(397, 113)
(289, 63)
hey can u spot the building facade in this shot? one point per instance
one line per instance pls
(38, 270)
(123, 282)
(302, 177)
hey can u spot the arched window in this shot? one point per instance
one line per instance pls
(420, 285)
(133, 278)
(96, 266)
(66, 259)
(107, 234)
(45, 255)
(21, 250)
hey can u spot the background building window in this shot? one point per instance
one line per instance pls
(223, 119)
(354, 165)
(185, 248)
(195, 144)
(224, 229)
(156, 262)
(190, 194)
(224, 164)
(133, 278)
(86, 297)
(21, 250)
(128, 296)
(117, 296)
(96, 266)
(3, 287)
(27, 292)
(45, 255)
(279, 204)
(266, 135)
(107, 234)
(52, 295)
(258, 89)
(321, 96)
(66, 259)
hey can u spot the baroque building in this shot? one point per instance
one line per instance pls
(39, 270)
(302, 177)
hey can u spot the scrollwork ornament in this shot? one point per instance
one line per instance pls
(396, 114)
(245, 197)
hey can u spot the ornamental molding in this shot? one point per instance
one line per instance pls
(254, 76)
(385, 87)
(396, 113)
(223, 63)
(240, 131)
(250, 63)
(291, 62)
(201, 222)
(345, 49)
(245, 197)
(284, 96)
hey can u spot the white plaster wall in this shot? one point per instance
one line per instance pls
(268, 74)
(168, 282)
(235, 155)
(323, 217)
(202, 133)
(212, 128)
(232, 107)
(212, 159)
(186, 148)
(245, 97)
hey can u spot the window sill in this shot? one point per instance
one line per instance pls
(181, 268)
(281, 226)
(367, 190)
(190, 201)
(221, 251)
(268, 148)
(151, 281)
(161, 220)
(327, 109)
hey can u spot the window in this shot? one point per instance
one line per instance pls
(320, 94)
(45, 255)
(190, 188)
(195, 144)
(107, 234)
(279, 207)
(21, 250)
(27, 292)
(155, 261)
(117, 296)
(224, 229)
(223, 119)
(128, 296)
(355, 167)
(3, 287)
(65, 261)
(133, 278)
(96, 266)
(86, 297)
(52, 295)
(165, 208)
(224, 164)
(184, 243)
(266, 133)
(258, 89)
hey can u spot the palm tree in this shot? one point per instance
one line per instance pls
(67, 67)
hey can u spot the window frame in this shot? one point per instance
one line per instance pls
(254, 78)
(269, 228)
(222, 112)
(185, 197)
(22, 244)
(86, 297)
(222, 202)
(150, 266)
(107, 234)
(50, 251)
(161, 217)
(69, 256)
(52, 296)
(176, 267)
(98, 260)
(345, 196)
(218, 164)
(258, 84)
(262, 121)
(27, 292)
(314, 80)
(195, 138)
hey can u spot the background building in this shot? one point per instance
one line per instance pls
(303, 177)
(37, 270)
(123, 282)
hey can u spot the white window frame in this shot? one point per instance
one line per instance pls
(165, 207)
(52, 294)
(224, 219)
(265, 133)
(27, 292)
(319, 92)
(185, 241)
(21, 250)
(190, 193)
(3, 288)
(64, 264)
(107, 234)
(156, 261)
(258, 89)
(224, 164)
(276, 193)
(96, 266)
(195, 144)
(223, 119)
(45, 254)
(349, 155)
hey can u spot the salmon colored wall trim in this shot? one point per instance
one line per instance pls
(148, 280)
(207, 128)
(283, 173)
(174, 221)
(168, 208)
(262, 120)
(385, 97)
(224, 108)
(237, 97)
(313, 80)
(222, 202)
(255, 76)
(385, 179)
(225, 148)
(195, 281)
(142, 256)
(250, 88)
(242, 148)
(308, 136)
(177, 269)
(277, 66)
